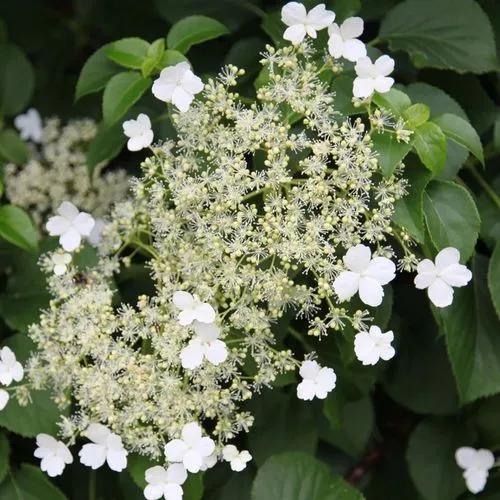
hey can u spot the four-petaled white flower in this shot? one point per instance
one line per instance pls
(373, 76)
(95, 236)
(178, 85)
(106, 447)
(343, 40)
(54, 454)
(209, 462)
(440, 277)
(317, 381)
(301, 23)
(4, 398)
(192, 309)
(60, 261)
(365, 275)
(29, 125)
(165, 483)
(374, 345)
(10, 368)
(237, 459)
(70, 225)
(192, 449)
(139, 132)
(476, 465)
(204, 345)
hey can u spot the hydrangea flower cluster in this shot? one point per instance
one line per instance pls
(247, 217)
(58, 172)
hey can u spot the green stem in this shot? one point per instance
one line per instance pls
(92, 485)
(374, 42)
(251, 7)
(487, 188)
(297, 335)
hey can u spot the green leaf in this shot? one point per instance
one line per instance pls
(409, 210)
(430, 145)
(96, 72)
(29, 483)
(431, 458)
(136, 466)
(273, 26)
(128, 52)
(342, 87)
(395, 101)
(193, 30)
(17, 79)
(494, 278)
(462, 132)
(344, 8)
(471, 327)
(445, 34)
(4, 456)
(106, 144)
(13, 148)
(390, 151)
(171, 58)
(416, 115)
(193, 487)
(496, 135)
(121, 93)
(485, 421)
(154, 57)
(17, 228)
(452, 217)
(298, 476)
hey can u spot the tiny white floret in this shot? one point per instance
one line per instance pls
(373, 345)
(70, 225)
(237, 459)
(178, 85)
(301, 23)
(440, 276)
(29, 125)
(205, 344)
(54, 454)
(192, 309)
(10, 368)
(317, 381)
(60, 261)
(139, 132)
(476, 465)
(106, 446)
(165, 483)
(191, 449)
(365, 275)
(343, 41)
(373, 77)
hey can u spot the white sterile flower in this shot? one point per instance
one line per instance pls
(165, 483)
(365, 275)
(60, 261)
(178, 85)
(374, 345)
(106, 447)
(95, 236)
(373, 76)
(317, 381)
(70, 225)
(209, 462)
(192, 309)
(192, 449)
(301, 23)
(204, 345)
(4, 398)
(10, 368)
(139, 132)
(440, 276)
(54, 454)
(476, 465)
(343, 40)
(29, 125)
(237, 459)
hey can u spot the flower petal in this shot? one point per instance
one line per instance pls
(295, 33)
(68, 210)
(98, 433)
(384, 65)
(191, 433)
(192, 461)
(447, 257)
(319, 18)
(153, 491)
(352, 27)
(70, 240)
(175, 450)
(84, 223)
(182, 99)
(336, 46)
(191, 356)
(440, 293)
(346, 284)
(309, 369)
(456, 275)
(205, 313)
(363, 87)
(176, 473)
(182, 300)
(4, 398)
(293, 13)
(216, 352)
(117, 459)
(353, 50)
(475, 479)
(57, 225)
(383, 84)
(306, 390)
(93, 455)
(381, 269)
(370, 291)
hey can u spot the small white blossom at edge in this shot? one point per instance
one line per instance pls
(139, 132)
(440, 276)
(476, 465)
(237, 459)
(106, 446)
(10, 368)
(70, 225)
(192, 309)
(374, 345)
(191, 449)
(343, 40)
(29, 125)
(373, 76)
(178, 85)
(317, 381)
(54, 454)
(60, 261)
(365, 275)
(301, 23)
(95, 236)
(4, 398)
(165, 483)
